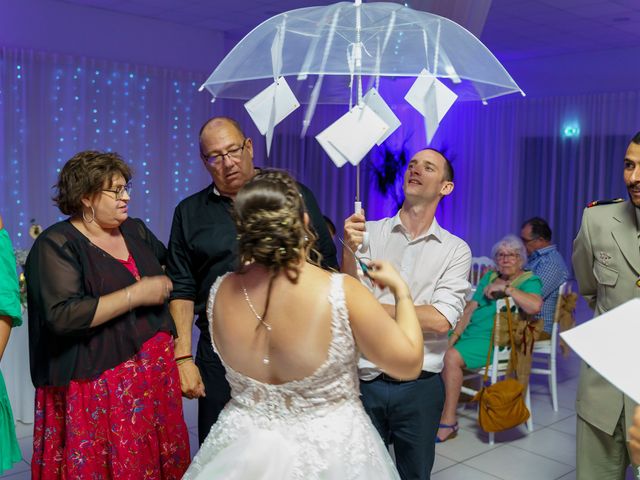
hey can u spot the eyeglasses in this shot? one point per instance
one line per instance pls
(120, 190)
(507, 256)
(528, 240)
(235, 153)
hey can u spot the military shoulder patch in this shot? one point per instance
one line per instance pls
(595, 203)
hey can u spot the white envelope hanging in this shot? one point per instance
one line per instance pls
(374, 101)
(432, 99)
(350, 138)
(278, 95)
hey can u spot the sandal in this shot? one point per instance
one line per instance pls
(454, 432)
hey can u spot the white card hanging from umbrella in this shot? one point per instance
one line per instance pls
(432, 99)
(277, 101)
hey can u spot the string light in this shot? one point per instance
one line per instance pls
(108, 108)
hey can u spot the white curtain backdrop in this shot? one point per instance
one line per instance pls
(510, 157)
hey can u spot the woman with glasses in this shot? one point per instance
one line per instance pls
(469, 341)
(108, 401)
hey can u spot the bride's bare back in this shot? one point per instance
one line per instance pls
(299, 315)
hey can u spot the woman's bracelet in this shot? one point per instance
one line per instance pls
(455, 333)
(183, 359)
(126, 289)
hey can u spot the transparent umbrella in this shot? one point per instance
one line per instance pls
(327, 53)
(324, 52)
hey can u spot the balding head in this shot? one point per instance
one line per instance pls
(216, 122)
(227, 154)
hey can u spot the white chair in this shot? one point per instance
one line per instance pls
(479, 266)
(498, 366)
(548, 349)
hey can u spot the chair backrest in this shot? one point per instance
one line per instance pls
(501, 305)
(479, 266)
(562, 289)
(501, 353)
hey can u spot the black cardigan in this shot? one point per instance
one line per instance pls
(66, 274)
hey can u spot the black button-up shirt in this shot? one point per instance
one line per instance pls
(203, 245)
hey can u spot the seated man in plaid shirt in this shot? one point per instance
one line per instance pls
(546, 262)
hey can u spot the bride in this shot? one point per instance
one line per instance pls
(289, 336)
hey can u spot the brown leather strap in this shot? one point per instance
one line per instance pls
(512, 359)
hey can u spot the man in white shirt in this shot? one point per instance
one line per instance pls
(435, 264)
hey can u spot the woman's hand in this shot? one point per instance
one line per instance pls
(384, 274)
(496, 290)
(151, 290)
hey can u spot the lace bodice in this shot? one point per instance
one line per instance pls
(314, 428)
(335, 381)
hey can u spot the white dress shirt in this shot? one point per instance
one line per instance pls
(435, 265)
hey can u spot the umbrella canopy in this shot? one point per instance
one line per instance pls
(326, 54)
(322, 50)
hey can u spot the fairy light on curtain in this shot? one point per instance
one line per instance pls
(52, 106)
(175, 154)
(18, 148)
(190, 136)
(183, 133)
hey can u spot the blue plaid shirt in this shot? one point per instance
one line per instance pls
(548, 264)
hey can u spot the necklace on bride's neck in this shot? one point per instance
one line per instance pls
(267, 326)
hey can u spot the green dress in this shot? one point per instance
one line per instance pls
(474, 341)
(10, 307)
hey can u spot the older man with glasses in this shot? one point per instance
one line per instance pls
(545, 261)
(203, 247)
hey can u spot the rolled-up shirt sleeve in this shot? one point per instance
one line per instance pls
(452, 288)
(179, 265)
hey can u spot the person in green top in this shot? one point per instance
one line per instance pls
(10, 316)
(469, 342)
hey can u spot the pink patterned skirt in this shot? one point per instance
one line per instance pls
(125, 424)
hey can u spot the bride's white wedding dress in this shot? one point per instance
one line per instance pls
(312, 428)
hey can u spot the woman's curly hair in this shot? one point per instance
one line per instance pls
(269, 215)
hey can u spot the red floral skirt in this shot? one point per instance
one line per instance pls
(125, 424)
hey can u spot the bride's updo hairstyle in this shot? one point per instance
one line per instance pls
(269, 215)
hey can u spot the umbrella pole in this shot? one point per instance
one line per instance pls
(358, 184)
(358, 66)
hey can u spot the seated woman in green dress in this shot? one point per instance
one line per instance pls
(469, 342)
(10, 316)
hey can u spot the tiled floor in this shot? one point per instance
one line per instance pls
(547, 453)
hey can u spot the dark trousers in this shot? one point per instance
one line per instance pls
(215, 385)
(407, 414)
